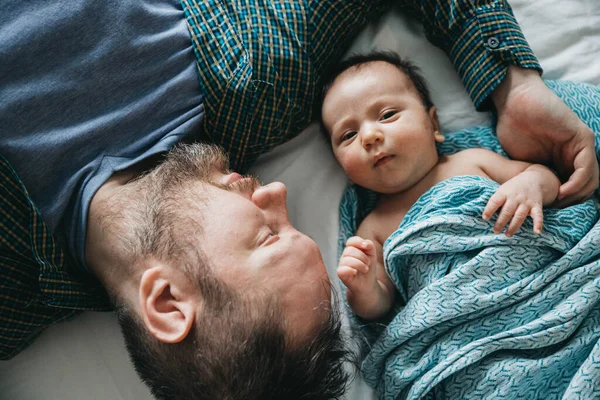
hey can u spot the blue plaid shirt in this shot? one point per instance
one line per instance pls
(259, 67)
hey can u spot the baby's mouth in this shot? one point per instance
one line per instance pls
(383, 160)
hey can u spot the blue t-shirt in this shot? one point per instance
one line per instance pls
(88, 88)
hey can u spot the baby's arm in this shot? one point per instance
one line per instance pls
(525, 189)
(370, 291)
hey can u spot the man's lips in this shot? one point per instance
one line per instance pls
(382, 159)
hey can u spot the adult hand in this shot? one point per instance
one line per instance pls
(535, 125)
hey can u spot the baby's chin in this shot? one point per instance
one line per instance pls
(387, 189)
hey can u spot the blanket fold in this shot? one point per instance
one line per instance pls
(472, 295)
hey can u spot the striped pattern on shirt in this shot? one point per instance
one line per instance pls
(35, 288)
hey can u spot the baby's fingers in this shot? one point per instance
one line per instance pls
(493, 204)
(351, 251)
(506, 214)
(538, 219)
(520, 215)
(346, 273)
(364, 245)
(354, 263)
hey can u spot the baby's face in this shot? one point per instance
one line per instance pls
(381, 133)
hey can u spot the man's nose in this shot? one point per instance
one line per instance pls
(370, 135)
(271, 197)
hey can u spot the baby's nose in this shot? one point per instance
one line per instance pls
(370, 136)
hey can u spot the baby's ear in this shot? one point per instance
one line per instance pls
(437, 134)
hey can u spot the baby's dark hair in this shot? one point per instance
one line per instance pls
(356, 60)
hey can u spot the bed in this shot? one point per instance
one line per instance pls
(86, 359)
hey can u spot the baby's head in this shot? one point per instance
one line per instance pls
(383, 126)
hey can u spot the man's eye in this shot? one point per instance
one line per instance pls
(271, 238)
(387, 115)
(348, 135)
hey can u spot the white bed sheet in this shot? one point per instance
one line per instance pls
(86, 359)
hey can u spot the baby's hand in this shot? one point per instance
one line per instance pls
(356, 268)
(519, 198)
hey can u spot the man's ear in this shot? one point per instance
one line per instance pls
(437, 134)
(168, 303)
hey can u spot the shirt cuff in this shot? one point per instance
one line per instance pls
(483, 50)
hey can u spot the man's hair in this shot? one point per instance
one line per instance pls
(357, 60)
(238, 347)
(229, 356)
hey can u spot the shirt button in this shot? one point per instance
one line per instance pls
(493, 42)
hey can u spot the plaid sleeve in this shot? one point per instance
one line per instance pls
(35, 287)
(481, 38)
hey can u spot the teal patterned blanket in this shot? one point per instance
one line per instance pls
(479, 315)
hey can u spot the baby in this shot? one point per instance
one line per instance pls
(384, 129)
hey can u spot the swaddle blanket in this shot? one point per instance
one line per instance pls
(481, 315)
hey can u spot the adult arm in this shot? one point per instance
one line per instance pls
(534, 124)
(480, 39)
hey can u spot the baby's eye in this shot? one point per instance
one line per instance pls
(387, 115)
(348, 135)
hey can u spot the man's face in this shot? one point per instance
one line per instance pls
(251, 244)
(243, 231)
